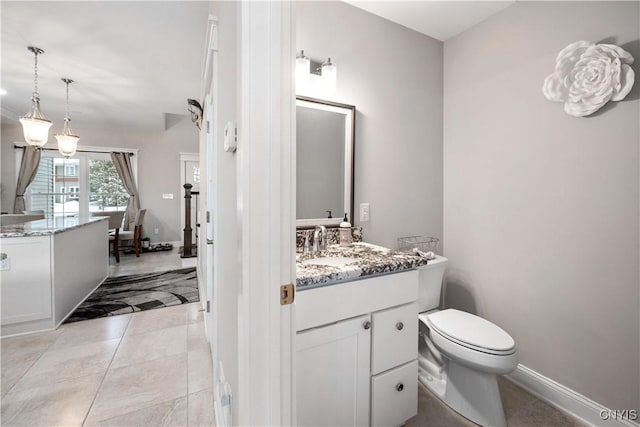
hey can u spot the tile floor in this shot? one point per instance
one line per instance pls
(149, 368)
(521, 408)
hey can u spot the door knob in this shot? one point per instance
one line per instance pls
(399, 326)
(400, 387)
(367, 325)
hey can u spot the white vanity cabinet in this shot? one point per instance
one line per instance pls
(356, 352)
(332, 376)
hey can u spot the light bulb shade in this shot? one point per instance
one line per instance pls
(329, 76)
(303, 70)
(67, 141)
(35, 126)
(67, 144)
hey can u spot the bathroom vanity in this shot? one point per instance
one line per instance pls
(356, 341)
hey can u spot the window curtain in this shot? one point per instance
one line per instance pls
(122, 162)
(28, 170)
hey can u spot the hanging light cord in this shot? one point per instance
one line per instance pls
(67, 113)
(35, 76)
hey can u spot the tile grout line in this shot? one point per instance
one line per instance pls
(31, 365)
(84, 420)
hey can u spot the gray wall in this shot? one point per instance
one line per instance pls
(541, 209)
(158, 168)
(393, 76)
(320, 147)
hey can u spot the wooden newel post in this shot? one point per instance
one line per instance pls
(186, 251)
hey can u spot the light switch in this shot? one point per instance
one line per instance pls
(364, 212)
(167, 195)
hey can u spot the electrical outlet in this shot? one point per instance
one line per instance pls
(364, 212)
(156, 231)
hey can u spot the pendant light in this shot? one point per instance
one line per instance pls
(67, 141)
(35, 126)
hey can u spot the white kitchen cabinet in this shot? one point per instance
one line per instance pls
(332, 374)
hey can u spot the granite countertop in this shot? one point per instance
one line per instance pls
(372, 260)
(46, 227)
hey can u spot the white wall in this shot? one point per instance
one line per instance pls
(541, 209)
(227, 269)
(393, 76)
(158, 168)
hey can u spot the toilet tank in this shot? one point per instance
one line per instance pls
(430, 283)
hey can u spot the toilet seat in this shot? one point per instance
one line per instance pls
(470, 331)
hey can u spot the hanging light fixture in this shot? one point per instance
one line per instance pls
(35, 126)
(303, 69)
(67, 141)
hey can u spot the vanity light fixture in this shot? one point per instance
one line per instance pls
(67, 141)
(315, 78)
(329, 74)
(35, 126)
(303, 70)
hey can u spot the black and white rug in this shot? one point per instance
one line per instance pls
(138, 292)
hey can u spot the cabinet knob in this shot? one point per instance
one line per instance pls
(367, 325)
(399, 326)
(400, 387)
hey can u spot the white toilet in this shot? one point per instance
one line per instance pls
(460, 354)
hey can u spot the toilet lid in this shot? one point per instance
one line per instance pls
(469, 329)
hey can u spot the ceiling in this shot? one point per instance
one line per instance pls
(134, 63)
(438, 19)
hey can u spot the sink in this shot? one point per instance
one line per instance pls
(333, 261)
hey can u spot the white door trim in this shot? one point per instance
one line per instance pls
(266, 207)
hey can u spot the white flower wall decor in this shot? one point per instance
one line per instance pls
(589, 75)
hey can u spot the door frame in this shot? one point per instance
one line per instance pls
(185, 157)
(266, 213)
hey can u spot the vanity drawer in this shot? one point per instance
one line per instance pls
(395, 337)
(394, 395)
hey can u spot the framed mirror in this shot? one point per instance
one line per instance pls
(325, 143)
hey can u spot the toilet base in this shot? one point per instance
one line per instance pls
(471, 393)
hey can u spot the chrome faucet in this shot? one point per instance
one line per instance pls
(319, 238)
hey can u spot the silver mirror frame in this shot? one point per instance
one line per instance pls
(349, 111)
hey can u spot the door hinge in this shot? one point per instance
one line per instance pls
(208, 306)
(287, 294)
(208, 217)
(208, 126)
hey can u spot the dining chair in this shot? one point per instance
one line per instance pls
(134, 233)
(115, 222)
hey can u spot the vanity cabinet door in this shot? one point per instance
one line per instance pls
(332, 374)
(395, 337)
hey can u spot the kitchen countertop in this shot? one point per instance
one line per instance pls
(46, 227)
(372, 260)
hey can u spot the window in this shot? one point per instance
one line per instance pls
(87, 182)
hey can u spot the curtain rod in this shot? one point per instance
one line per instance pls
(79, 150)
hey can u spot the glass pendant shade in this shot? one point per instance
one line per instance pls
(303, 71)
(67, 141)
(35, 126)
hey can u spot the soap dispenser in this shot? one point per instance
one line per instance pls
(345, 232)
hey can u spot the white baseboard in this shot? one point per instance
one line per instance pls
(566, 400)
